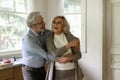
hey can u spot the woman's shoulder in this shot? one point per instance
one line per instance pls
(71, 37)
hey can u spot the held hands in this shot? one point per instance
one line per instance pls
(64, 59)
(74, 43)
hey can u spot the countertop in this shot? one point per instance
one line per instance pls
(14, 64)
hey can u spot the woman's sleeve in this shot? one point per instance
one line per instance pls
(76, 53)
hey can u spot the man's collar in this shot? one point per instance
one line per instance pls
(34, 32)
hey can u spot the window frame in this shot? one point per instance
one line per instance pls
(83, 25)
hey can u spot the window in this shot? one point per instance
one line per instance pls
(73, 10)
(13, 24)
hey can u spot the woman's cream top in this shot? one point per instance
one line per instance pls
(59, 41)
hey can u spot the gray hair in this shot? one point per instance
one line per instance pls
(66, 27)
(31, 18)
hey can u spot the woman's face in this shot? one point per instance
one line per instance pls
(58, 26)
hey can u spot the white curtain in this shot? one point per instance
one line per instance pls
(60, 7)
(30, 5)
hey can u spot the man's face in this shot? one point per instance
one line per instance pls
(40, 24)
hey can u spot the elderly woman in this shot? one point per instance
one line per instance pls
(66, 48)
(34, 53)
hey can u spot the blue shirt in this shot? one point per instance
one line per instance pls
(33, 49)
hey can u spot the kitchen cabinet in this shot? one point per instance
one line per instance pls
(18, 73)
(12, 73)
(6, 74)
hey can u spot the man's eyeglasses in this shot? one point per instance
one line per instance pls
(39, 23)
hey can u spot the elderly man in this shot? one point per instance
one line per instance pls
(34, 53)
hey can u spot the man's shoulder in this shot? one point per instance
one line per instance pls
(47, 32)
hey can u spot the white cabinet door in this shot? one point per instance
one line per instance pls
(113, 39)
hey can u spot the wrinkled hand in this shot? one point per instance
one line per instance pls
(64, 59)
(76, 44)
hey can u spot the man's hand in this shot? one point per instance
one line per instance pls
(65, 59)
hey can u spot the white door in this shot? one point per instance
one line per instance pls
(112, 30)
